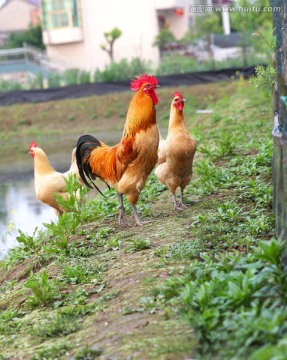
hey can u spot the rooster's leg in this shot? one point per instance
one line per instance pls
(136, 215)
(122, 218)
(176, 205)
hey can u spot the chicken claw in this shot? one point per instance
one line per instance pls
(137, 219)
(178, 205)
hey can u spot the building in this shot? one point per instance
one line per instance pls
(16, 16)
(74, 29)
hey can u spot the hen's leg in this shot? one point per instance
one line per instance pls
(176, 205)
(181, 203)
(122, 218)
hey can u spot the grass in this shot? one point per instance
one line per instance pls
(206, 283)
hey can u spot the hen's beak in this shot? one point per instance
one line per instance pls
(183, 100)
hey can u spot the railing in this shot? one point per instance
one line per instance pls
(29, 54)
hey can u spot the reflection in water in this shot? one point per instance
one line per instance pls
(20, 207)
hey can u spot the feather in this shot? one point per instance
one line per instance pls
(85, 145)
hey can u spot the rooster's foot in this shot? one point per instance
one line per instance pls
(122, 219)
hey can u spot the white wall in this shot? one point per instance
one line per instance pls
(136, 19)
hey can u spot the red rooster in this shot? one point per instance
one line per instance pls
(126, 165)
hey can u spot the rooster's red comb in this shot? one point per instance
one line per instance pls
(143, 79)
(33, 144)
(176, 93)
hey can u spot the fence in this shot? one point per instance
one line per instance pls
(28, 58)
(84, 90)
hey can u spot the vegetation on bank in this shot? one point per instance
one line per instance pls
(208, 282)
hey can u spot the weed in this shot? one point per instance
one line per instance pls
(53, 351)
(86, 353)
(81, 274)
(29, 243)
(52, 327)
(137, 244)
(76, 191)
(44, 291)
(113, 243)
(66, 226)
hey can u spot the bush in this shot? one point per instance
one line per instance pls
(9, 85)
(84, 77)
(54, 80)
(36, 82)
(122, 70)
(176, 64)
(70, 76)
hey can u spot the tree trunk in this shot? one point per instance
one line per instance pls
(279, 164)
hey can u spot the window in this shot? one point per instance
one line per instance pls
(61, 13)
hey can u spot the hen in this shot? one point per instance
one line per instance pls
(126, 165)
(176, 153)
(47, 180)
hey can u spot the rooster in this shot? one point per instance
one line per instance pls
(126, 165)
(47, 180)
(176, 153)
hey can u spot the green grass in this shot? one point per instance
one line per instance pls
(206, 283)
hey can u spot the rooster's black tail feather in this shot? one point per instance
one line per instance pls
(85, 145)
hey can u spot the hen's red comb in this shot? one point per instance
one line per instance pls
(176, 93)
(33, 144)
(143, 79)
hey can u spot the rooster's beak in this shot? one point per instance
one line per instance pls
(183, 100)
(157, 86)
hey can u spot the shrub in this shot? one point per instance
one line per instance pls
(175, 64)
(9, 85)
(70, 76)
(122, 70)
(54, 80)
(84, 77)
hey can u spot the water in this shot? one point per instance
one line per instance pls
(20, 209)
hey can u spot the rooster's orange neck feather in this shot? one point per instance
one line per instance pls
(141, 114)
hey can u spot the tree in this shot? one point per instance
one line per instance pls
(111, 37)
(164, 37)
(206, 26)
(248, 22)
(32, 36)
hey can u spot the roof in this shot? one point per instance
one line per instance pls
(36, 3)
